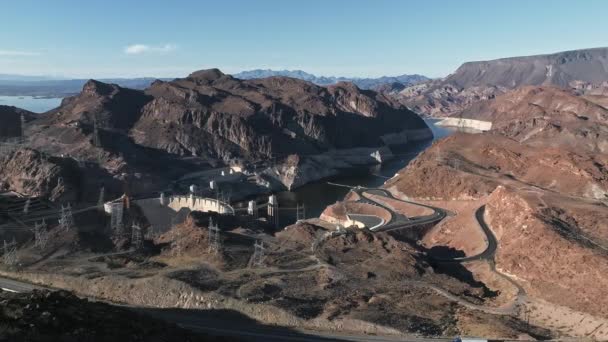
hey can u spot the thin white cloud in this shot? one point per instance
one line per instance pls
(138, 49)
(18, 53)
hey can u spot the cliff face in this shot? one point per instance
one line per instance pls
(32, 173)
(475, 81)
(212, 113)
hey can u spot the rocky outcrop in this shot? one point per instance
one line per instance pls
(35, 174)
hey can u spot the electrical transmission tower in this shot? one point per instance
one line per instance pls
(214, 238)
(137, 240)
(9, 257)
(116, 220)
(41, 235)
(257, 260)
(97, 140)
(26, 207)
(300, 212)
(66, 222)
(22, 138)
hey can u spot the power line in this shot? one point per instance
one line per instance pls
(9, 257)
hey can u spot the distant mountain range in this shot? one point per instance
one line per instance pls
(363, 83)
(18, 85)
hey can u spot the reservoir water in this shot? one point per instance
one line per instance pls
(317, 196)
(31, 103)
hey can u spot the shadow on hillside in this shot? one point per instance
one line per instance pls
(231, 324)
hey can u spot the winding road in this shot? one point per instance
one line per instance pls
(399, 221)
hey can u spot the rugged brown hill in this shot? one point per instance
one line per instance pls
(210, 118)
(209, 113)
(475, 81)
(473, 165)
(546, 116)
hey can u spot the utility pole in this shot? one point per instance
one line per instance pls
(213, 238)
(66, 222)
(257, 260)
(137, 241)
(9, 257)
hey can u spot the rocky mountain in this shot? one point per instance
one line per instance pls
(541, 173)
(475, 81)
(378, 83)
(210, 118)
(542, 115)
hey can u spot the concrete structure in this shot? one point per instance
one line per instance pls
(252, 209)
(161, 213)
(273, 210)
(466, 123)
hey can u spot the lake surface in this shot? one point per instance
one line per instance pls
(33, 104)
(317, 196)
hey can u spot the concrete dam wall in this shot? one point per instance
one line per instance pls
(165, 212)
(466, 123)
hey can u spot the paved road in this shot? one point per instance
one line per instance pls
(397, 222)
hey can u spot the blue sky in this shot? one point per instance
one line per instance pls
(129, 38)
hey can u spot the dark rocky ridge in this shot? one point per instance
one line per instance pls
(559, 69)
(209, 119)
(477, 81)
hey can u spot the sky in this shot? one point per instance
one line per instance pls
(353, 38)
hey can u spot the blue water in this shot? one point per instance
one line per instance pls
(33, 104)
(317, 196)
